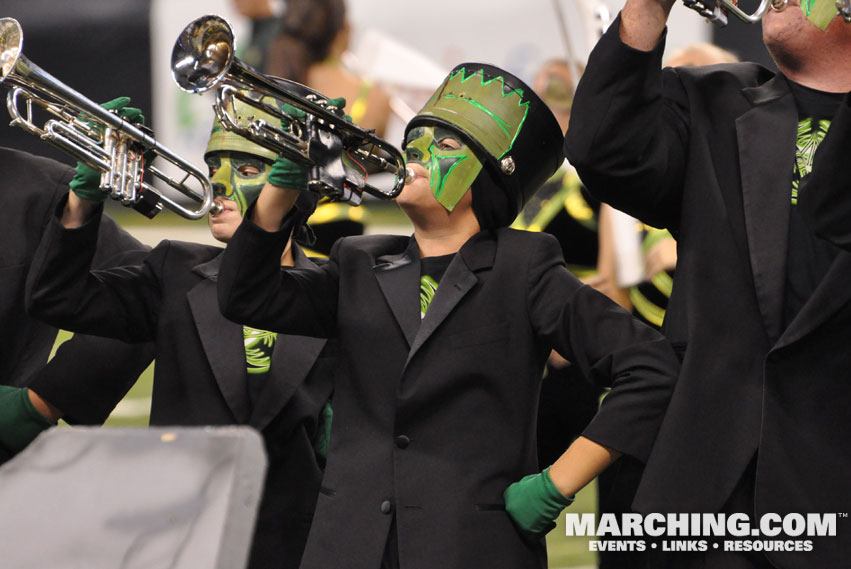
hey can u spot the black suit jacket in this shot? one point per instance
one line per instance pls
(709, 153)
(434, 419)
(824, 196)
(200, 373)
(29, 189)
(31, 186)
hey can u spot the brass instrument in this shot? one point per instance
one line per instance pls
(844, 7)
(94, 136)
(203, 58)
(716, 10)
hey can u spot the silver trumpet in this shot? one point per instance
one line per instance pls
(717, 10)
(94, 136)
(203, 58)
(844, 7)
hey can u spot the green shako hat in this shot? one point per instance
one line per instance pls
(510, 128)
(221, 139)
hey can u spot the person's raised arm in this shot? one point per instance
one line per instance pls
(642, 22)
(286, 179)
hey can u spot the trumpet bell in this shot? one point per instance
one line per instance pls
(11, 41)
(203, 54)
(203, 58)
(101, 139)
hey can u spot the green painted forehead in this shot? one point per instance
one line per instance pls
(481, 108)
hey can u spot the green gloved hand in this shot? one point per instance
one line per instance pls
(86, 182)
(534, 503)
(20, 422)
(286, 173)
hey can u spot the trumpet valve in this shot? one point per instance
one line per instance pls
(409, 175)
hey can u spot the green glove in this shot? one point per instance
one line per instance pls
(20, 422)
(534, 503)
(86, 182)
(286, 173)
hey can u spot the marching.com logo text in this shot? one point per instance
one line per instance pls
(735, 532)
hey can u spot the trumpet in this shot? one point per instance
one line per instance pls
(99, 138)
(844, 7)
(203, 58)
(716, 10)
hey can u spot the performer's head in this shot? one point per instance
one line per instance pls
(555, 83)
(800, 48)
(238, 169)
(485, 141)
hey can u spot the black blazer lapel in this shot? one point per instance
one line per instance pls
(222, 341)
(766, 164)
(399, 276)
(292, 359)
(830, 295)
(477, 254)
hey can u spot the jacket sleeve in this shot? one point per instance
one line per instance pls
(610, 347)
(255, 290)
(115, 246)
(89, 375)
(628, 132)
(119, 302)
(824, 198)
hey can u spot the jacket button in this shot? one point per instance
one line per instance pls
(402, 441)
(386, 507)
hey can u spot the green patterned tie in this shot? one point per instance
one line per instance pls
(428, 286)
(258, 349)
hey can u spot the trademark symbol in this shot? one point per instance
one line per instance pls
(842, 515)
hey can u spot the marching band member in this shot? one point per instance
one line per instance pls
(443, 338)
(758, 422)
(31, 187)
(209, 371)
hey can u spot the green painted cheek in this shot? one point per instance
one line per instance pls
(453, 173)
(247, 190)
(418, 151)
(246, 193)
(223, 180)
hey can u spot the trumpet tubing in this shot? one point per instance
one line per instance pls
(92, 135)
(203, 59)
(717, 10)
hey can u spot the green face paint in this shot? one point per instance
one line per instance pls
(237, 176)
(820, 12)
(451, 164)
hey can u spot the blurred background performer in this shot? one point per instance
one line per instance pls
(563, 208)
(758, 422)
(31, 187)
(312, 38)
(209, 370)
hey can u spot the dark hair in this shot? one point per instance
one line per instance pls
(307, 29)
